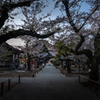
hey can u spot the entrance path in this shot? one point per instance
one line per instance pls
(49, 84)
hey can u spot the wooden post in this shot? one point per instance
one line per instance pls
(65, 74)
(95, 87)
(79, 78)
(9, 85)
(19, 78)
(90, 85)
(79, 69)
(2, 84)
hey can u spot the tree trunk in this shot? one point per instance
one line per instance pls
(28, 65)
(61, 63)
(94, 74)
(28, 62)
(68, 64)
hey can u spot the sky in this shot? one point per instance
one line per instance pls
(55, 13)
(15, 42)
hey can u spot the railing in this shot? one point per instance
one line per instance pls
(7, 85)
(93, 86)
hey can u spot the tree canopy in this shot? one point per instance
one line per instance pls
(6, 15)
(81, 26)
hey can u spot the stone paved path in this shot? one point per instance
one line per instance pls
(49, 84)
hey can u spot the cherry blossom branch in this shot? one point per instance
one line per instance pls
(16, 33)
(66, 3)
(88, 17)
(3, 17)
(87, 52)
(20, 4)
(80, 43)
(6, 8)
(72, 4)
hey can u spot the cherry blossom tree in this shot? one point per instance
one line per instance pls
(6, 15)
(32, 48)
(83, 28)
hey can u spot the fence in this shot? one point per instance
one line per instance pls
(8, 84)
(92, 85)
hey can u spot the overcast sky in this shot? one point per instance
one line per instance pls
(55, 13)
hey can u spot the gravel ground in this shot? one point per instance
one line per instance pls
(22, 73)
(49, 84)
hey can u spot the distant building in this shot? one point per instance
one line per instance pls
(13, 58)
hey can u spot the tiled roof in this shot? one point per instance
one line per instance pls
(10, 47)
